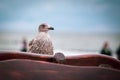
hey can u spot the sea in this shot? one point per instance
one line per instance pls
(67, 43)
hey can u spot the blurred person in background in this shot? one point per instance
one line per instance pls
(106, 49)
(118, 52)
(24, 45)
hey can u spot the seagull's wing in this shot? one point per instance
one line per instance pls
(31, 42)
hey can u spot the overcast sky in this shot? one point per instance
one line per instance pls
(84, 16)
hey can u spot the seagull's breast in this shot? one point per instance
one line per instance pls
(42, 43)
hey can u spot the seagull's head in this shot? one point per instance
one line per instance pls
(44, 27)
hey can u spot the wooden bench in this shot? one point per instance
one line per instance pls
(29, 66)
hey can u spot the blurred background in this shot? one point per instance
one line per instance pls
(81, 26)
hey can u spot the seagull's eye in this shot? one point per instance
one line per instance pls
(43, 26)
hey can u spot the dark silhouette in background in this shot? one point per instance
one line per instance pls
(24, 45)
(118, 52)
(106, 49)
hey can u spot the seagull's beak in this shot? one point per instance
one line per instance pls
(50, 28)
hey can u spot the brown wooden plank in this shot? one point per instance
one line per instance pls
(21, 69)
(24, 55)
(93, 60)
(80, 60)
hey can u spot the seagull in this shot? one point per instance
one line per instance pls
(42, 43)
